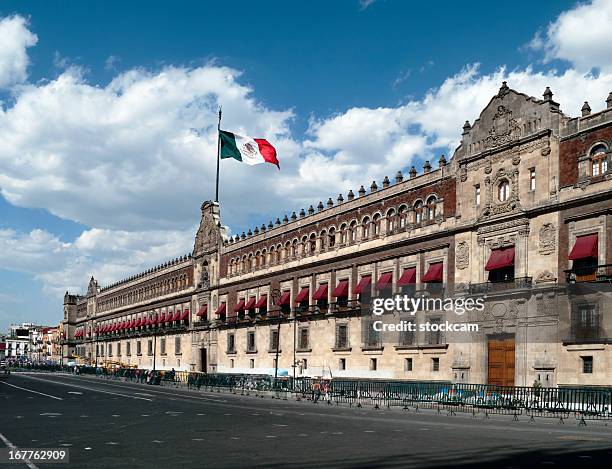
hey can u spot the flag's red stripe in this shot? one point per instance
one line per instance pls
(267, 151)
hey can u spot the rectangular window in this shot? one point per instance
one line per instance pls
(587, 364)
(342, 336)
(274, 344)
(162, 346)
(138, 348)
(373, 364)
(477, 191)
(252, 363)
(342, 364)
(434, 336)
(435, 364)
(177, 345)
(251, 341)
(408, 364)
(532, 179)
(232, 363)
(150, 347)
(231, 343)
(585, 322)
(110, 350)
(407, 337)
(372, 336)
(128, 349)
(118, 349)
(303, 343)
(304, 363)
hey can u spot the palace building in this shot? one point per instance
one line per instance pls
(520, 216)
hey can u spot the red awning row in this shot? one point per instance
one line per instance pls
(162, 318)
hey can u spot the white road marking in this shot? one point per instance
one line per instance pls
(83, 387)
(87, 448)
(368, 431)
(114, 415)
(32, 391)
(10, 445)
(66, 444)
(201, 414)
(198, 439)
(270, 436)
(234, 438)
(19, 416)
(279, 425)
(112, 443)
(157, 441)
(337, 433)
(144, 415)
(83, 416)
(184, 396)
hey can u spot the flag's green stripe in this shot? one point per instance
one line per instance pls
(228, 146)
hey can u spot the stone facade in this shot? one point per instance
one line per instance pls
(525, 179)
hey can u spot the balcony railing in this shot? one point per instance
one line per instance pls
(493, 287)
(599, 273)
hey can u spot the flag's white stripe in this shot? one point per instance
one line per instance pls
(249, 150)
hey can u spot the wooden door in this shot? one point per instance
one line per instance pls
(501, 362)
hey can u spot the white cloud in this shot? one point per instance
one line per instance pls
(581, 36)
(134, 159)
(15, 38)
(109, 255)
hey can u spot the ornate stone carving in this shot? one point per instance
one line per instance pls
(516, 160)
(545, 277)
(488, 167)
(493, 206)
(548, 239)
(545, 151)
(208, 236)
(462, 256)
(92, 288)
(463, 173)
(204, 277)
(504, 129)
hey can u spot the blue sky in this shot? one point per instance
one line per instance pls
(107, 114)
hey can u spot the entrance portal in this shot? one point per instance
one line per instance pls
(501, 360)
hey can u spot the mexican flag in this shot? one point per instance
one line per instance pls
(247, 149)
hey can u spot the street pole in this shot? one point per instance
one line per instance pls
(154, 348)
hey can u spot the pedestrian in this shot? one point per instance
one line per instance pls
(317, 391)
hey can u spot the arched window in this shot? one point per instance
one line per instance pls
(366, 228)
(376, 224)
(312, 244)
(403, 213)
(431, 207)
(391, 220)
(323, 238)
(332, 237)
(418, 211)
(294, 248)
(264, 258)
(503, 190)
(343, 234)
(353, 231)
(279, 249)
(599, 161)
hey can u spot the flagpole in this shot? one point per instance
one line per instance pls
(218, 155)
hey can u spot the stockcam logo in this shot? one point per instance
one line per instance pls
(411, 305)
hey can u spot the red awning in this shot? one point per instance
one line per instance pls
(321, 293)
(202, 311)
(585, 246)
(263, 301)
(384, 281)
(284, 299)
(239, 306)
(138, 322)
(185, 315)
(363, 284)
(341, 290)
(251, 303)
(162, 318)
(220, 309)
(302, 295)
(434, 274)
(177, 315)
(500, 258)
(408, 277)
(169, 316)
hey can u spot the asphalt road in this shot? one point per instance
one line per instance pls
(107, 423)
